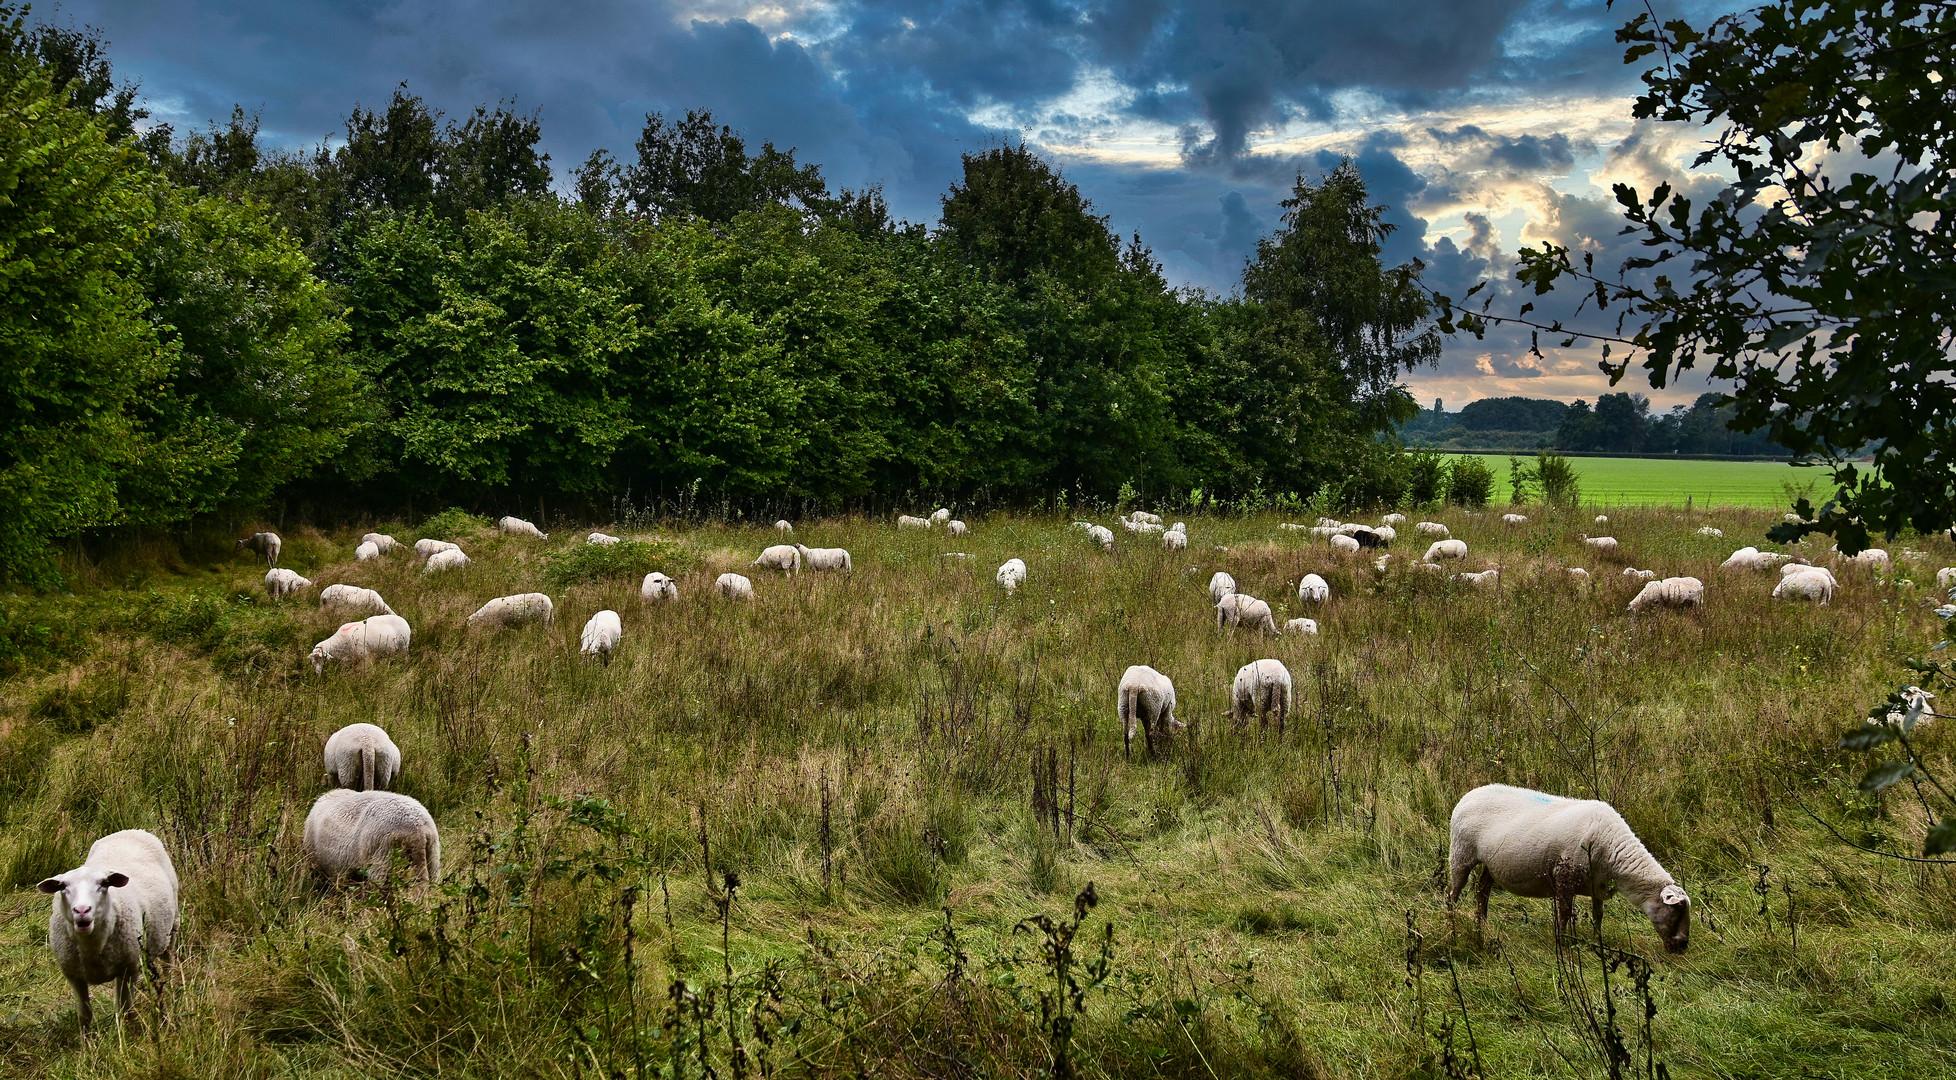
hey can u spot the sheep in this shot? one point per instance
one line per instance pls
(1815, 584)
(1324, 532)
(355, 597)
(365, 551)
(1790, 519)
(387, 544)
(826, 558)
(601, 539)
(1291, 526)
(956, 527)
(1576, 573)
(1446, 549)
(362, 757)
(1143, 515)
(1220, 585)
(515, 610)
(1486, 579)
(1431, 528)
(784, 525)
(1946, 578)
(372, 637)
(452, 559)
(427, 548)
(1381, 563)
(1175, 540)
(1012, 574)
(1539, 845)
(1329, 523)
(1514, 519)
(600, 637)
(1707, 530)
(516, 526)
(1602, 545)
(1238, 609)
(1301, 626)
(1367, 538)
(1751, 558)
(1393, 519)
(905, 521)
(1146, 698)
(1261, 687)
(264, 543)
(355, 830)
(1640, 575)
(281, 583)
(1802, 568)
(939, 516)
(1670, 592)
(1102, 535)
(1180, 527)
(1144, 528)
(1083, 526)
(1386, 534)
(1602, 519)
(1344, 545)
(657, 587)
(98, 935)
(1872, 558)
(954, 555)
(734, 587)
(1313, 589)
(783, 557)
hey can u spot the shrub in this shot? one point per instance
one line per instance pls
(1470, 482)
(1555, 475)
(1426, 477)
(624, 559)
(451, 523)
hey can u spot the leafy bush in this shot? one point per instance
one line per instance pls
(1555, 475)
(626, 559)
(1426, 477)
(1470, 482)
(451, 523)
(198, 617)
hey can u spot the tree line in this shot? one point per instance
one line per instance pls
(1619, 423)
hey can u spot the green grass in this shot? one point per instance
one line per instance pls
(1655, 482)
(860, 753)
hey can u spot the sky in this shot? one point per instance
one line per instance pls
(1484, 125)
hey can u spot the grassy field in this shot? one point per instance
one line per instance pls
(801, 836)
(1659, 482)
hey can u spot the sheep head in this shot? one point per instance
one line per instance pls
(1670, 915)
(82, 895)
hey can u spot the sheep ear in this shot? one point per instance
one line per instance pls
(115, 881)
(52, 885)
(1674, 894)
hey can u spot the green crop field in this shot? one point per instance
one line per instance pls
(1608, 481)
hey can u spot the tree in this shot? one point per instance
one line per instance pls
(1818, 284)
(1016, 216)
(694, 169)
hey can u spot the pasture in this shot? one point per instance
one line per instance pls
(1668, 482)
(800, 836)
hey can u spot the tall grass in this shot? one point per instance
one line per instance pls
(800, 836)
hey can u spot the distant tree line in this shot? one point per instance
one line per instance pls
(1620, 423)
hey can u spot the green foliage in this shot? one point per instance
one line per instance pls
(626, 559)
(1426, 477)
(1556, 478)
(692, 169)
(451, 523)
(1470, 482)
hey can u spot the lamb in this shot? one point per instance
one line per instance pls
(905, 521)
(784, 525)
(355, 830)
(825, 558)
(1813, 584)
(1533, 844)
(1640, 575)
(1946, 578)
(98, 935)
(1486, 579)
(365, 551)
(1602, 545)
(601, 634)
(783, 557)
(1670, 592)
(387, 544)
(1514, 519)
(281, 583)
(1261, 687)
(939, 516)
(1238, 609)
(1143, 515)
(427, 548)
(601, 539)
(1393, 519)
(1431, 528)
(956, 527)
(1344, 545)
(1446, 549)
(515, 610)
(658, 587)
(354, 642)
(362, 757)
(1175, 540)
(1102, 535)
(1146, 698)
(1220, 585)
(516, 526)
(354, 597)
(1313, 589)
(1301, 626)
(734, 587)
(1012, 574)
(264, 543)
(1707, 530)
(449, 559)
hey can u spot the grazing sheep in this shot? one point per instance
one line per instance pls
(1873, 559)
(516, 610)
(601, 634)
(1143, 515)
(601, 539)
(1291, 526)
(1329, 523)
(658, 587)
(281, 583)
(362, 757)
(1180, 527)
(1533, 844)
(1577, 573)
(365, 552)
(1381, 563)
(783, 557)
(1751, 558)
(1324, 532)
(939, 516)
(1301, 626)
(1368, 538)
(784, 525)
(1707, 530)
(354, 597)
(387, 544)
(825, 558)
(1514, 519)
(1083, 525)
(1602, 545)
(1313, 589)
(356, 830)
(1012, 574)
(1102, 535)
(1640, 575)
(1792, 519)
(1175, 540)
(1486, 579)
(1220, 585)
(905, 521)
(956, 527)
(1344, 545)
(427, 548)
(452, 559)
(1801, 568)
(1431, 528)
(1602, 519)
(1446, 549)
(1393, 519)
(113, 916)
(1386, 534)
(355, 642)
(516, 526)
(734, 587)
(1946, 578)
(1813, 583)
(265, 543)
(1238, 609)
(1670, 592)
(1145, 528)
(1261, 687)
(1147, 699)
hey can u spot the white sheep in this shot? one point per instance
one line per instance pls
(357, 830)
(1814, 584)
(1238, 609)
(1514, 519)
(784, 525)
(367, 550)
(939, 516)
(1751, 558)
(1486, 579)
(1539, 845)
(1324, 532)
(956, 527)
(1602, 545)
(905, 521)
(1329, 523)
(1260, 688)
(113, 916)
(1291, 526)
(1872, 558)
(783, 557)
(1146, 699)
(1393, 519)
(516, 526)
(451, 559)
(1144, 528)
(1670, 592)
(1790, 519)
(1313, 589)
(355, 598)
(1083, 526)
(1431, 528)
(368, 639)
(1801, 568)
(281, 583)
(515, 610)
(734, 586)
(1344, 545)
(1640, 575)
(601, 539)
(1102, 535)
(1602, 519)
(1143, 515)
(362, 757)
(1220, 585)
(656, 587)
(1301, 626)
(387, 544)
(1012, 574)
(825, 558)
(1175, 540)
(264, 543)
(427, 548)
(1446, 549)
(1180, 527)
(601, 635)
(1946, 578)
(1386, 534)
(1707, 530)
(1577, 573)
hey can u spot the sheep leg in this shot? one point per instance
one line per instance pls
(125, 996)
(83, 1005)
(1596, 911)
(1565, 876)
(1457, 873)
(1483, 892)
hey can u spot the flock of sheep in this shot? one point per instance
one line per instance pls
(117, 912)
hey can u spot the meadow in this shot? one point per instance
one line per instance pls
(882, 823)
(1668, 482)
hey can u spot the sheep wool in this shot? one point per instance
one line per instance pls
(1220, 585)
(1012, 574)
(1446, 549)
(1816, 585)
(1872, 558)
(1261, 687)
(1946, 578)
(783, 557)
(427, 548)
(1670, 592)
(1393, 519)
(905, 521)
(956, 527)
(449, 559)
(1301, 626)
(387, 544)
(1605, 545)
(601, 539)
(1514, 519)
(601, 635)
(356, 642)
(362, 757)
(939, 516)
(1313, 589)
(366, 551)
(1175, 540)
(354, 598)
(516, 526)
(1102, 535)
(1242, 609)
(1143, 515)
(1344, 545)
(1486, 579)
(657, 587)
(1146, 699)
(825, 558)
(1431, 528)
(264, 543)
(281, 583)
(1640, 575)
(112, 916)
(784, 525)
(1708, 530)
(356, 830)
(734, 587)
(516, 610)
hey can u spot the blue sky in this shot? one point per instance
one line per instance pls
(1485, 124)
